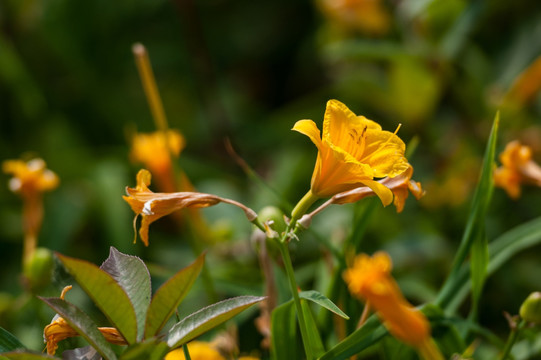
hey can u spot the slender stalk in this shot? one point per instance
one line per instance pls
(186, 352)
(293, 285)
(301, 207)
(513, 336)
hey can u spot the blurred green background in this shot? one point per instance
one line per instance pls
(247, 70)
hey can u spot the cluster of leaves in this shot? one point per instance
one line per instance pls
(121, 289)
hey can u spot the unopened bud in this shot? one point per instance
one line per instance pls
(272, 216)
(530, 310)
(39, 269)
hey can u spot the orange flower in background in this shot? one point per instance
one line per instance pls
(370, 279)
(367, 16)
(152, 206)
(154, 151)
(30, 180)
(352, 152)
(517, 168)
(199, 350)
(401, 186)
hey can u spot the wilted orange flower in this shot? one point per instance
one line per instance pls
(517, 168)
(199, 350)
(400, 186)
(370, 279)
(352, 152)
(152, 206)
(368, 16)
(59, 329)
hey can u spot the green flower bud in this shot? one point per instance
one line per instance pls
(39, 269)
(274, 217)
(530, 310)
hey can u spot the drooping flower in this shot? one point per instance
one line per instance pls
(517, 168)
(152, 206)
(370, 279)
(352, 152)
(199, 350)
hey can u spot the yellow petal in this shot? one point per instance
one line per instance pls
(382, 191)
(309, 128)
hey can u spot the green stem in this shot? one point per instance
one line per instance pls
(293, 285)
(302, 206)
(513, 336)
(186, 352)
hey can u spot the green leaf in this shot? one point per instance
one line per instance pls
(149, 350)
(501, 250)
(479, 263)
(8, 342)
(83, 324)
(323, 301)
(28, 355)
(475, 226)
(169, 295)
(132, 275)
(314, 338)
(106, 293)
(284, 332)
(370, 333)
(205, 319)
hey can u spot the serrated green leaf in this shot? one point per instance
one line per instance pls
(323, 301)
(28, 355)
(370, 333)
(81, 323)
(207, 318)
(132, 275)
(8, 342)
(314, 339)
(284, 332)
(166, 300)
(106, 293)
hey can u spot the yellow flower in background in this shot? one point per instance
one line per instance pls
(401, 186)
(154, 151)
(367, 16)
(370, 279)
(199, 350)
(152, 206)
(517, 168)
(352, 152)
(30, 178)
(526, 86)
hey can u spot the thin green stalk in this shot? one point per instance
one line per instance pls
(293, 285)
(513, 336)
(186, 352)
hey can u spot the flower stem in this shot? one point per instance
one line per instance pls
(186, 352)
(302, 206)
(513, 336)
(428, 350)
(293, 285)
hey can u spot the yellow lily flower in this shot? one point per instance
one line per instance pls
(367, 16)
(199, 350)
(352, 152)
(370, 279)
(517, 168)
(152, 206)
